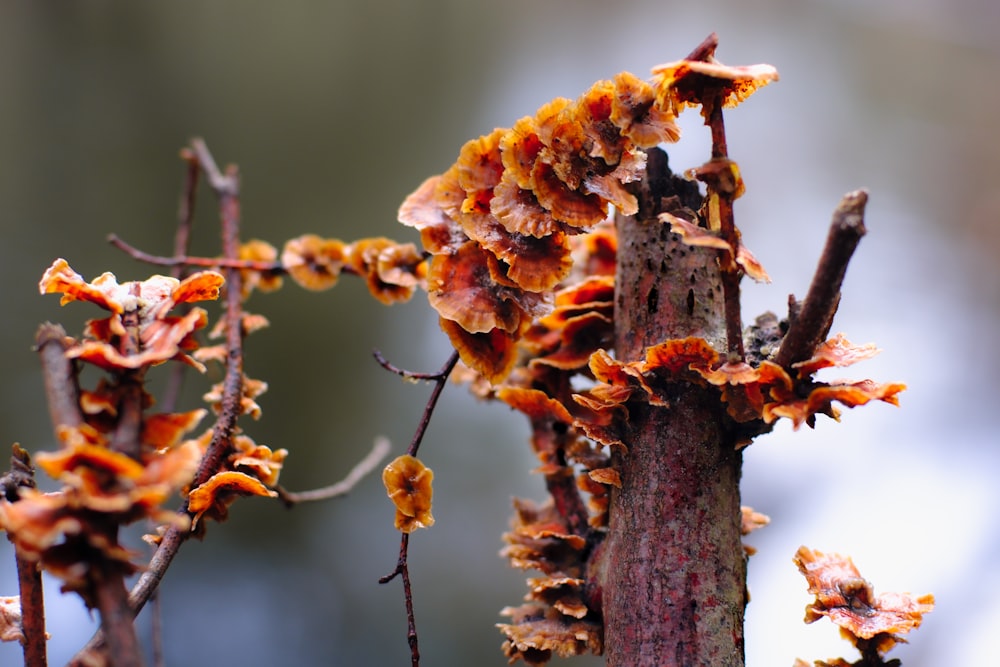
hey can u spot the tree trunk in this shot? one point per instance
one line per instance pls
(673, 571)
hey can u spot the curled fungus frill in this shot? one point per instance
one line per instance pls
(249, 469)
(693, 235)
(139, 310)
(214, 497)
(873, 622)
(408, 483)
(749, 522)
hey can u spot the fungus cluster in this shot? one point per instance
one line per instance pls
(118, 464)
(119, 461)
(392, 271)
(522, 247)
(500, 223)
(556, 618)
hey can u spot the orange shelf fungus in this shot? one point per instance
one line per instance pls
(536, 632)
(461, 289)
(492, 354)
(213, 498)
(164, 430)
(636, 113)
(520, 195)
(408, 483)
(838, 351)
(848, 600)
(820, 399)
(749, 522)
(684, 82)
(256, 250)
(313, 262)
(151, 297)
(522, 236)
(607, 476)
(534, 403)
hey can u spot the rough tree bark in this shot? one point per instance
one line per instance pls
(674, 570)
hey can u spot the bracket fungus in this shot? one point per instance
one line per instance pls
(874, 623)
(408, 483)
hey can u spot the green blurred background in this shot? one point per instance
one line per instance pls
(335, 111)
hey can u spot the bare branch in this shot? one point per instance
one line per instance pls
(188, 260)
(403, 569)
(815, 317)
(344, 486)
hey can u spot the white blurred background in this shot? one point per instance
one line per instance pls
(335, 111)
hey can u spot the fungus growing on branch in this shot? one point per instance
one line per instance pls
(408, 482)
(874, 623)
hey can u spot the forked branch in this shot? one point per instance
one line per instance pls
(815, 316)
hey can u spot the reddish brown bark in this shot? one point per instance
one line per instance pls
(673, 571)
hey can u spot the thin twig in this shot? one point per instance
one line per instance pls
(227, 189)
(402, 372)
(440, 378)
(403, 569)
(720, 194)
(29, 576)
(188, 260)
(182, 239)
(344, 486)
(815, 317)
(147, 584)
(185, 211)
(29, 580)
(62, 391)
(730, 270)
